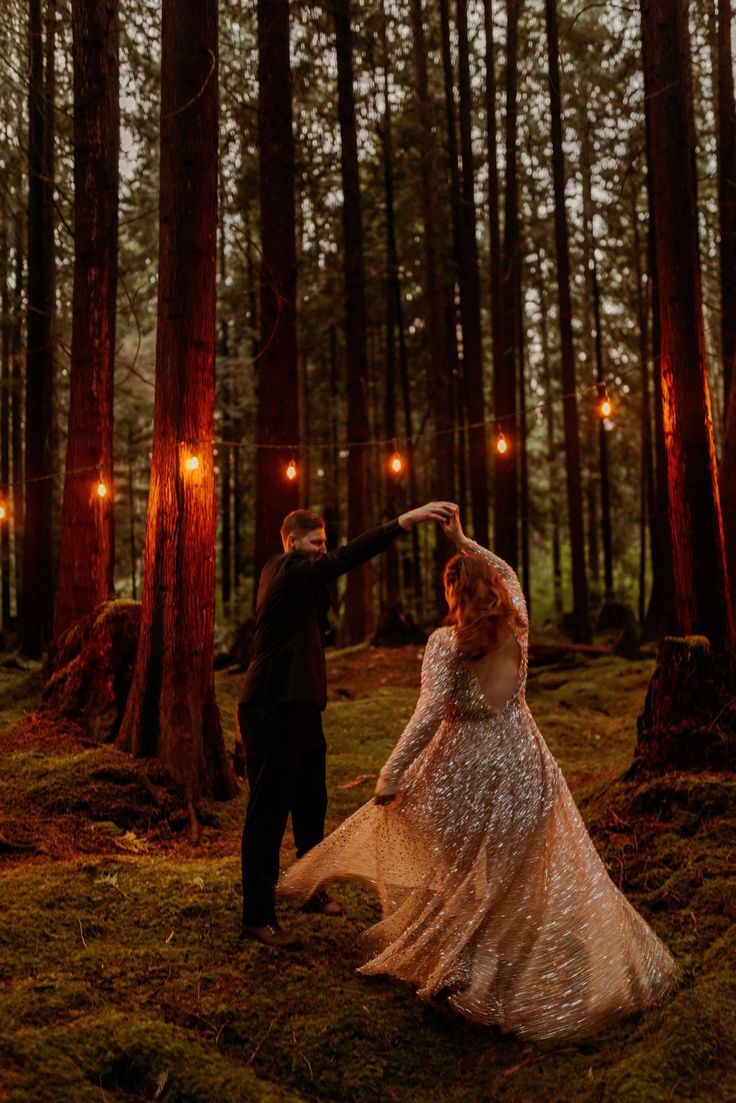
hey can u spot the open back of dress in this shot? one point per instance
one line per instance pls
(497, 673)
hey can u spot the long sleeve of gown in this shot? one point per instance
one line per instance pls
(436, 690)
(508, 574)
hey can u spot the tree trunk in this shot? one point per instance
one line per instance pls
(358, 616)
(451, 285)
(603, 461)
(225, 451)
(728, 490)
(570, 408)
(506, 370)
(390, 480)
(523, 447)
(16, 417)
(37, 610)
(688, 721)
(703, 604)
(87, 521)
(646, 473)
(5, 342)
(469, 280)
(660, 616)
(552, 451)
(443, 471)
(278, 388)
(727, 209)
(171, 711)
(726, 151)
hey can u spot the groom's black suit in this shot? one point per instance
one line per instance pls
(280, 709)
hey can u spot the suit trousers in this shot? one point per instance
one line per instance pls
(285, 759)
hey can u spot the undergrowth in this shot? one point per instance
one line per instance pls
(122, 977)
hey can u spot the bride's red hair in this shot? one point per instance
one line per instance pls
(480, 604)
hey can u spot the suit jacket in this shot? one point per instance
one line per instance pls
(288, 662)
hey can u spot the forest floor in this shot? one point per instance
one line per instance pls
(122, 976)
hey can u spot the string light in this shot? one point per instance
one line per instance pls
(396, 464)
(605, 409)
(101, 489)
(605, 406)
(2, 512)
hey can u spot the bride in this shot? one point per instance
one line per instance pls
(493, 894)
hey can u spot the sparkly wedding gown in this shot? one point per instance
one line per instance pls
(492, 891)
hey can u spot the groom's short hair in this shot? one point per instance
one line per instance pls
(300, 522)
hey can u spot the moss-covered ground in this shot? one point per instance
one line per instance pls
(122, 977)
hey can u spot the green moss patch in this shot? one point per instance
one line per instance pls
(122, 975)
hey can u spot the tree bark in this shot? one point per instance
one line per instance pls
(358, 615)
(277, 365)
(16, 416)
(171, 711)
(37, 612)
(726, 153)
(5, 356)
(506, 370)
(570, 408)
(727, 209)
(469, 281)
(646, 472)
(552, 450)
(703, 604)
(87, 522)
(443, 471)
(603, 460)
(660, 616)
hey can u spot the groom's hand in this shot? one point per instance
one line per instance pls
(432, 511)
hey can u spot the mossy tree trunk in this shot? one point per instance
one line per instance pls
(87, 519)
(689, 717)
(171, 711)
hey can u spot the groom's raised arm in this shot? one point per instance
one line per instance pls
(364, 547)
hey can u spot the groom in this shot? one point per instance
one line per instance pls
(280, 708)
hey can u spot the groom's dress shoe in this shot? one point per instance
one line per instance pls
(270, 935)
(322, 904)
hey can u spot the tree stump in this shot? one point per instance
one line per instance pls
(93, 668)
(689, 717)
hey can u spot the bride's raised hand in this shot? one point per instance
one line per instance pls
(453, 528)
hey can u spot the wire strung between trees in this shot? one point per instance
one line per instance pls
(413, 439)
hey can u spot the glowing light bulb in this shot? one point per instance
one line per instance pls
(101, 489)
(192, 463)
(502, 445)
(2, 512)
(605, 406)
(291, 471)
(396, 464)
